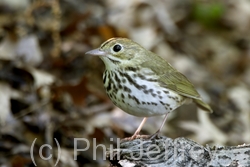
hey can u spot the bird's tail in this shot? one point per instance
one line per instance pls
(204, 106)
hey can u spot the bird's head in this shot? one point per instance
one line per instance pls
(119, 52)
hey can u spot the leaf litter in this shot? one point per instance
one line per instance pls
(50, 90)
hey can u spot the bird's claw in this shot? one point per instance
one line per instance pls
(137, 136)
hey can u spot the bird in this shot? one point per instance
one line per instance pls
(142, 83)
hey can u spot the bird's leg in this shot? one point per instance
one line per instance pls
(156, 134)
(138, 129)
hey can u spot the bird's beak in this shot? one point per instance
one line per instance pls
(96, 52)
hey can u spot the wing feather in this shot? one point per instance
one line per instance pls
(170, 78)
(179, 83)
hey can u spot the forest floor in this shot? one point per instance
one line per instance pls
(52, 93)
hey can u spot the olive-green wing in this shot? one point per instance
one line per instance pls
(172, 79)
(179, 83)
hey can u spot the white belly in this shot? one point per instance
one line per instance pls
(142, 97)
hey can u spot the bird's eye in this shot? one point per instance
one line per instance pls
(117, 48)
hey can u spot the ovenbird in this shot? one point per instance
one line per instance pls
(142, 83)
